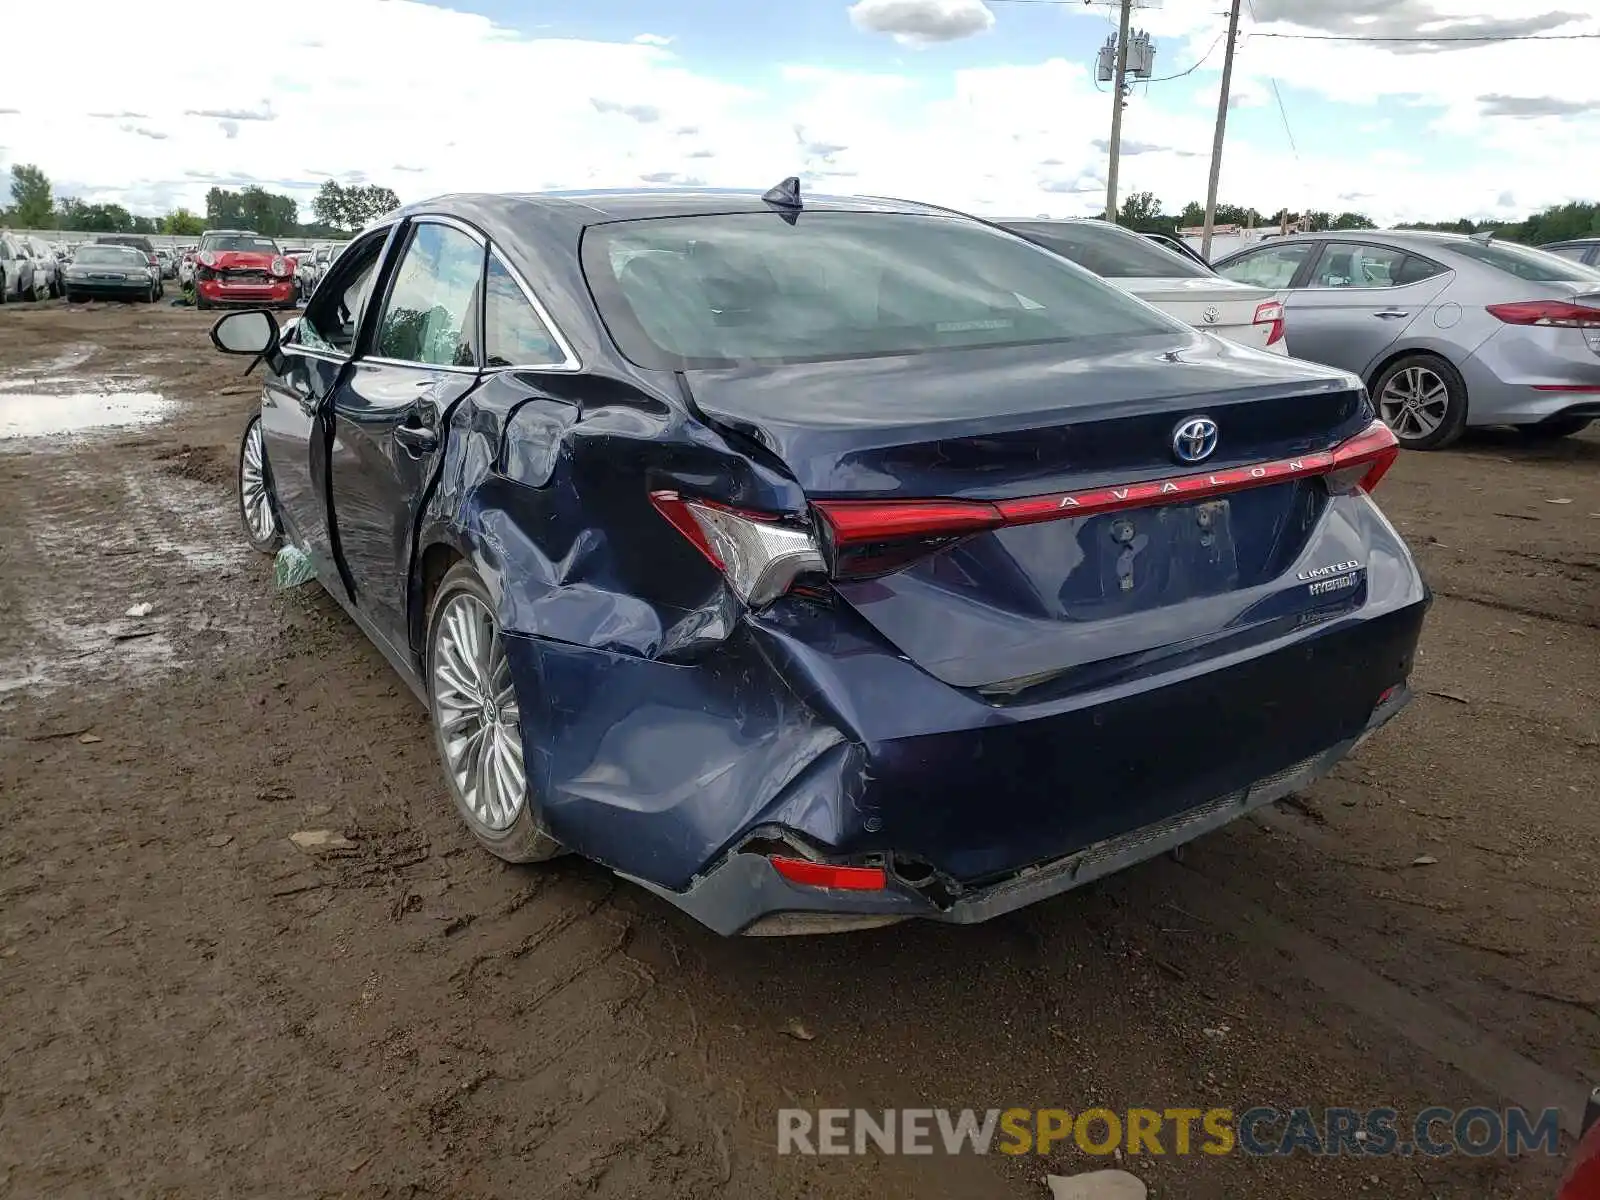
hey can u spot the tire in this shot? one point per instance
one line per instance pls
(504, 818)
(1423, 399)
(261, 526)
(201, 303)
(74, 298)
(1555, 427)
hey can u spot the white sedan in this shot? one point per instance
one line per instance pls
(1175, 284)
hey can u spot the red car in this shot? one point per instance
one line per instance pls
(238, 267)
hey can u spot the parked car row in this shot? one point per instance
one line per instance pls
(29, 268)
(1446, 330)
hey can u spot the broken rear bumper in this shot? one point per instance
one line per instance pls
(745, 894)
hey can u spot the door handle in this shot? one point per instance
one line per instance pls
(1391, 314)
(418, 439)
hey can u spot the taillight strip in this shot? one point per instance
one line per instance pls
(862, 521)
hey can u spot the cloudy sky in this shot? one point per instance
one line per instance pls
(989, 105)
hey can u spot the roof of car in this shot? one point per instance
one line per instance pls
(594, 207)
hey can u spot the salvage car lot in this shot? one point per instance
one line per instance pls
(182, 984)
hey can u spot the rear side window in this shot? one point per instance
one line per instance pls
(1109, 252)
(1270, 267)
(1355, 265)
(1536, 266)
(717, 291)
(429, 317)
(513, 334)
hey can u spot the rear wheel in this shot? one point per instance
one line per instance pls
(258, 511)
(1423, 399)
(477, 721)
(1555, 427)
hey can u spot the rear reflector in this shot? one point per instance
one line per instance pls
(825, 875)
(1270, 314)
(1560, 313)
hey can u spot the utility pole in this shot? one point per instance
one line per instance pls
(1222, 125)
(1117, 101)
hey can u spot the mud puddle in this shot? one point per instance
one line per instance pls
(41, 414)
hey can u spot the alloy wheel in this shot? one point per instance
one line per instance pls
(475, 706)
(253, 495)
(1414, 402)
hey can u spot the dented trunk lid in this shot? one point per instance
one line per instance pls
(1005, 609)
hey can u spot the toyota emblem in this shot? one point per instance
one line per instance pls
(1212, 314)
(1194, 440)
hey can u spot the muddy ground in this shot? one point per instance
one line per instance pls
(192, 1006)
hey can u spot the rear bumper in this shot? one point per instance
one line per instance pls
(745, 894)
(1526, 374)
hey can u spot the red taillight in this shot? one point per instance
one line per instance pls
(1270, 314)
(759, 555)
(1361, 463)
(825, 875)
(874, 537)
(1560, 313)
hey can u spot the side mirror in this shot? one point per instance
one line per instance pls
(253, 331)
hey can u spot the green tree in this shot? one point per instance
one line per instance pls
(1142, 212)
(33, 206)
(182, 223)
(349, 208)
(1352, 220)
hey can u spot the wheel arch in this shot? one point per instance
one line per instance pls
(1395, 354)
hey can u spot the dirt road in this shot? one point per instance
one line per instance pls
(190, 1005)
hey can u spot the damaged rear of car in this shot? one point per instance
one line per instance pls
(822, 564)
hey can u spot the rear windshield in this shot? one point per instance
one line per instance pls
(1537, 266)
(715, 291)
(239, 241)
(1109, 252)
(109, 256)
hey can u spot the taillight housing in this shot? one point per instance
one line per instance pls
(759, 555)
(868, 538)
(1562, 314)
(1270, 314)
(1360, 463)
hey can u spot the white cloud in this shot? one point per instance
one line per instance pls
(1015, 139)
(921, 22)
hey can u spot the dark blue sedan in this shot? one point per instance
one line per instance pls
(821, 562)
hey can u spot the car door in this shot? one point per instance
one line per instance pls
(1357, 300)
(296, 407)
(390, 410)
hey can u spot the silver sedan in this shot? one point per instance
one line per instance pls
(1447, 330)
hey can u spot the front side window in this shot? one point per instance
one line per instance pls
(334, 314)
(430, 315)
(1352, 265)
(1108, 251)
(1536, 266)
(719, 290)
(1270, 267)
(513, 334)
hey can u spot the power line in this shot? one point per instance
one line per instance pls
(1190, 70)
(1486, 37)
